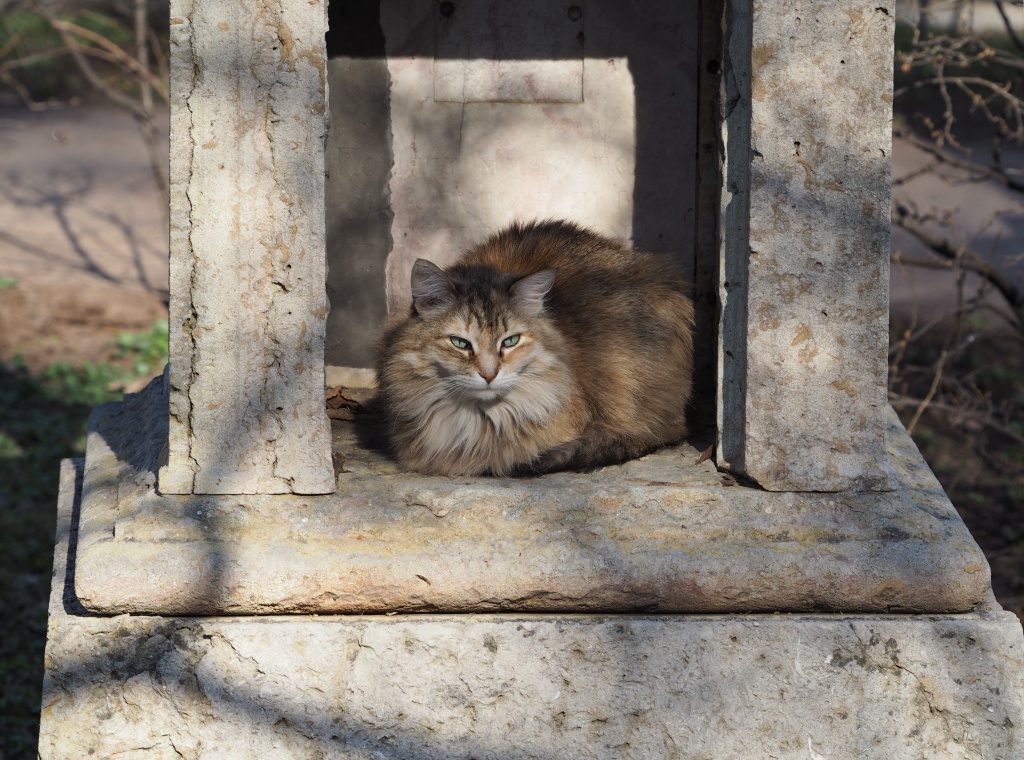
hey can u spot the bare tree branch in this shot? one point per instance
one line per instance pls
(968, 259)
(138, 66)
(904, 402)
(996, 173)
(1009, 27)
(135, 66)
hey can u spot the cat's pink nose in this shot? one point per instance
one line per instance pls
(487, 375)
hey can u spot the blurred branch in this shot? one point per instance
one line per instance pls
(117, 54)
(1009, 27)
(11, 81)
(997, 173)
(904, 402)
(955, 257)
(939, 365)
(141, 108)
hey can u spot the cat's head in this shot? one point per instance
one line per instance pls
(482, 331)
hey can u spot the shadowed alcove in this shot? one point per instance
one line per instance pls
(448, 120)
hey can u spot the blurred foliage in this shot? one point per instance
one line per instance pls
(31, 51)
(147, 350)
(43, 420)
(35, 63)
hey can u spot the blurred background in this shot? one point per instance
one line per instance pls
(83, 271)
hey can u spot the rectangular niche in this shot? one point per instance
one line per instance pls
(448, 120)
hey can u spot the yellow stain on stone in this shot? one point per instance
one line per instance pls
(760, 56)
(846, 387)
(284, 33)
(804, 333)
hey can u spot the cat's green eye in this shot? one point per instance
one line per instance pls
(510, 341)
(459, 342)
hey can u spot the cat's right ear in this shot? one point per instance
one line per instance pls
(528, 293)
(431, 288)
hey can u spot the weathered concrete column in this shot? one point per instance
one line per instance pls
(805, 238)
(248, 303)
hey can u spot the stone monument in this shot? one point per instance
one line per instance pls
(237, 576)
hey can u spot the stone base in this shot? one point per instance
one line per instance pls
(530, 686)
(666, 533)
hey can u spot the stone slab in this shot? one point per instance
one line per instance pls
(805, 259)
(526, 686)
(659, 534)
(247, 298)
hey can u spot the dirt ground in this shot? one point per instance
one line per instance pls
(83, 234)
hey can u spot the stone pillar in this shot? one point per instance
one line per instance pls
(805, 242)
(248, 304)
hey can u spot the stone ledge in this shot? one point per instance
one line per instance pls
(659, 535)
(890, 687)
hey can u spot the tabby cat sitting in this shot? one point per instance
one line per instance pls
(545, 347)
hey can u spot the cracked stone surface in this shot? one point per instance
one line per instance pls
(805, 221)
(658, 534)
(526, 686)
(247, 299)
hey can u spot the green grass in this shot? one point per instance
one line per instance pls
(43, 420)
(147, 349)
(6, 283)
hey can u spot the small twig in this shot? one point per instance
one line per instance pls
(142, 57)
(947, 115)
(931, 392)
(911, 176)
(914, 334)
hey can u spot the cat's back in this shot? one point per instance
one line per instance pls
(626, 318)
(608, 367)
(600, 281)
(577, 253)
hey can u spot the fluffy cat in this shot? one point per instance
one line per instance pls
(546, 347)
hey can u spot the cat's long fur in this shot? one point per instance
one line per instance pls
(602, 371)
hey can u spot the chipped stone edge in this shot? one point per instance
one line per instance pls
(274, 568)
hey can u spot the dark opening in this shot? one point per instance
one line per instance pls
(672, 51)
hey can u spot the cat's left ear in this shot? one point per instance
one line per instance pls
(431, 288)
(528, 293)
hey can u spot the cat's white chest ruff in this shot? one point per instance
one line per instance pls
(480, 432)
